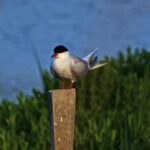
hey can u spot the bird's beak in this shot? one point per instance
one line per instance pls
(54, 56)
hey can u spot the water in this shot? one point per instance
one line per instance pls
(27, 25)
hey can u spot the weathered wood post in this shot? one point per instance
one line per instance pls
(62, 118)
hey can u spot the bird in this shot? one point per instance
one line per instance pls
(65, 66)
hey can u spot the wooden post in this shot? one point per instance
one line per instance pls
(62, 118)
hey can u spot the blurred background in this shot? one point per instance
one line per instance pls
(113, 103)
(27, 26)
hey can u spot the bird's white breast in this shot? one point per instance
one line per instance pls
(62, 68)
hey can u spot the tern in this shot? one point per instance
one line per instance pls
(65, 66)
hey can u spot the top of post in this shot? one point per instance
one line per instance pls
(63, 91)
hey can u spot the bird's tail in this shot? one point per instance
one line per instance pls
(98, 65)
(92, 59)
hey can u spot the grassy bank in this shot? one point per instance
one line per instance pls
(113, 109)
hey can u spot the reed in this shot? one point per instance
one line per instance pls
(112, 111)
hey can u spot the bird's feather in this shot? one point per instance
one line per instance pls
(78, 66)
(54, 74)
(98, 65)
(91, 58)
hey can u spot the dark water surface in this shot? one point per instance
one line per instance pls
(27, 25)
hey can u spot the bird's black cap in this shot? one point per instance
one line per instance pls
(60, 49)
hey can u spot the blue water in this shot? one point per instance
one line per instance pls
(27, 25)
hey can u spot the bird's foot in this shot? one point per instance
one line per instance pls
(71, 84)
(62, 84)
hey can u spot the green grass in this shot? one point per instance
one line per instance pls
(113, 109)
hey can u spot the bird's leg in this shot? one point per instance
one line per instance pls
(62, 84)
(71, 84)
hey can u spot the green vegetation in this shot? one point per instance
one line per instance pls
(113, 109)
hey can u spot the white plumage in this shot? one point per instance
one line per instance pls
(67, 66)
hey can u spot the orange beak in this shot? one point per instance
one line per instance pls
(55, 55)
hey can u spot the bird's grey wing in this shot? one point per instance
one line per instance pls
(53, 72)
(92, 59)
(90, 56)
(78, 66)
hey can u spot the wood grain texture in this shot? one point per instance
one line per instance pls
(62, 116)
